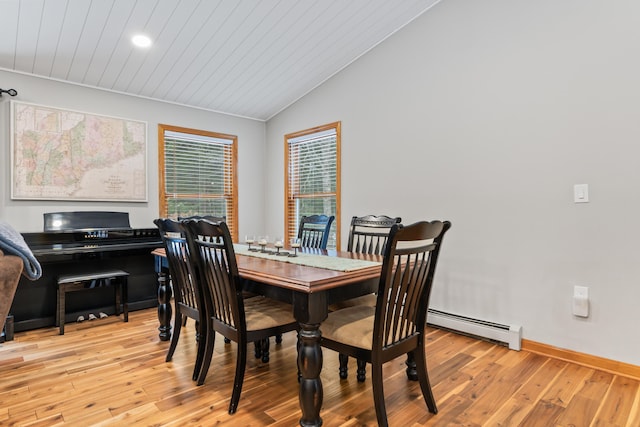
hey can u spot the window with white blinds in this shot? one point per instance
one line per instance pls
(312, 178)
(198, 174)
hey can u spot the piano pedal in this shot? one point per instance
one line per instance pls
(80, 319)
(92, 316)
(103, 315)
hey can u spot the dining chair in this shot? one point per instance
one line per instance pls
(258, 345)
(228, 313)
(313, 231)
(368, 234)
(187, 300)
(396, 325)
(261, 348)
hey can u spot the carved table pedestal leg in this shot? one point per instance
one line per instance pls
(310, 365)
(164, 306)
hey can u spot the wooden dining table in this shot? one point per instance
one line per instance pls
(309, 289)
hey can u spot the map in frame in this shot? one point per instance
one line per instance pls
(69, 155)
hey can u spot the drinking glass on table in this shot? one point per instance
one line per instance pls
(262, 241)
(278, 243)
(250, 239)
(295, 244)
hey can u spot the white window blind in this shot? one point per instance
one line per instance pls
(313, 177)
(199, 175)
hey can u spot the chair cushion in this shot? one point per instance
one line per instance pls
(263, 313)
(352, 326)
(369, 300)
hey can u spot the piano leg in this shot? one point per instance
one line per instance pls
(164, 305)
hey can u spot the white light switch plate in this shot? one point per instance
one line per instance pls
(581, 193)
(580, 301)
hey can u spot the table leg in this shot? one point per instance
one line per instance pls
(164, 306)
(310, 365)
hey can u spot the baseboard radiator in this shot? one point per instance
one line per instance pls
(510, 335)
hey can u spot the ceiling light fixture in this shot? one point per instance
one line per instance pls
(141, 40)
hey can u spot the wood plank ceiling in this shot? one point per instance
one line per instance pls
(250, 58)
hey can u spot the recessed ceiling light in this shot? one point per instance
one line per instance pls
(141, 40)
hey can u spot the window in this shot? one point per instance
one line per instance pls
(312, 178)
(198, 174)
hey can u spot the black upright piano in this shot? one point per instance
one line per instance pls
(82, 242)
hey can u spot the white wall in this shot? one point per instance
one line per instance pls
(27, 215)
(486, 113)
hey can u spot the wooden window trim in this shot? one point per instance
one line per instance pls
(234, 175)
(287, 137)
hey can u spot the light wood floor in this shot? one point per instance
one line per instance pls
(107, 372)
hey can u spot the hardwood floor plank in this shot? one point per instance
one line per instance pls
(584, 405)
(618, 402)
(51, 421)
(135, 417)
(490, 400)
(449, 369)
(114, 374)
(517, 407)
(544, 414)
(87, 417)
(450, 410)
(443, 345)
(634, 413)
(539, 382)
(566, 384)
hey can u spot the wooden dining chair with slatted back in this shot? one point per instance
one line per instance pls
(396, 325)
(228, 312)
(367, 235)
(187, 300)
(261, 348)
(211, 218)
(313, 231)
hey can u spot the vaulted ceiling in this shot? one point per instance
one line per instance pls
(250, 58)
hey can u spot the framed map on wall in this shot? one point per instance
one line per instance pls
(69, 155)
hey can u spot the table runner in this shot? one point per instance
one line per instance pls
(310, 260)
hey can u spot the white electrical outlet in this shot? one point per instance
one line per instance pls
(581, 301)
